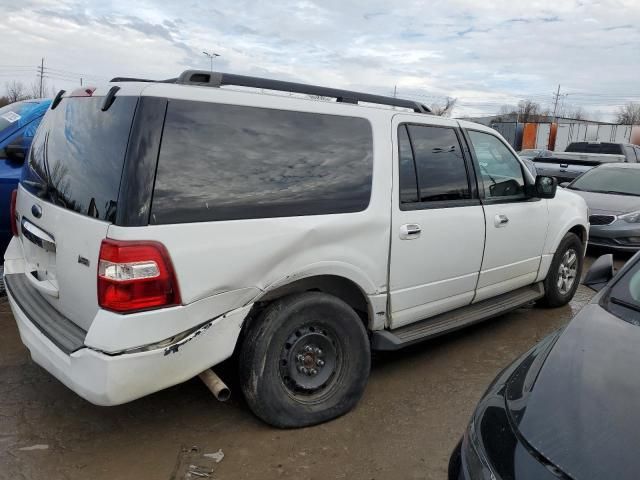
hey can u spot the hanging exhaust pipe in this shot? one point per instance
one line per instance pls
(216, 385)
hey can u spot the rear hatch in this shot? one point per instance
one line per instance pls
(68, 198)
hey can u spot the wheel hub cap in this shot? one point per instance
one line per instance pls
(567, 271)
(308, 359)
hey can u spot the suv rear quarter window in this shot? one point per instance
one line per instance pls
(229, 162)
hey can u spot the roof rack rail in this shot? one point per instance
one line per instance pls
(217, 79)
(133, 79)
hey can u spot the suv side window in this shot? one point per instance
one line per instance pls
(230, 162)
(408, 177)
(439, 172)
(500, 171)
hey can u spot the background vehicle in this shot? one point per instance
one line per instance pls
(546, 415)
(164, 225)
(18, 124)
(533, 153)
(582, 156)
(612, 193)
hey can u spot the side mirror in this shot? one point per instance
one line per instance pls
(545, 186)
(600, 273)
(17, 150)
(564, 184)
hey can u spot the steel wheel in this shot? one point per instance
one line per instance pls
(309, 360)
(567, 271)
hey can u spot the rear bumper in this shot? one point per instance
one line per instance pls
(105, 379)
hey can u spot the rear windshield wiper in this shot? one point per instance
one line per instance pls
(624, 303)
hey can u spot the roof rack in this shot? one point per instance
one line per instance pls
(217, 79)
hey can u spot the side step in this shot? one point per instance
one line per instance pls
(459, 318)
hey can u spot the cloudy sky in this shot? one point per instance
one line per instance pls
(484, 53)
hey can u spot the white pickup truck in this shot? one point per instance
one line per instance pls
(582, 156)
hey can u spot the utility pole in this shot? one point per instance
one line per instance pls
(555, 104)
(211, 56)
(395, 91)
(41, 75)
(80, 81)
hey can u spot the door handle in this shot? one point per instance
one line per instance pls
(501, 221)
(410, 231)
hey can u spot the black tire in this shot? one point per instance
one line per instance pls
(555, 295)
(312, 331)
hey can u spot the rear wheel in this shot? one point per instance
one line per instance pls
(564, 273)
(304, 360)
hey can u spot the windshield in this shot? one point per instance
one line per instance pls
(16, 115)
(624, 298)
(586, 147)
(624, 181)
(78, 153)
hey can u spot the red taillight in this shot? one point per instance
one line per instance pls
(135, 276)
(12, 213)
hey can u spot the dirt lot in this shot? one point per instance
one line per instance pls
(414, 410)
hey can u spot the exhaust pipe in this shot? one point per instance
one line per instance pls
(216, 385)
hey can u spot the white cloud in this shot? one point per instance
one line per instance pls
(484, 53)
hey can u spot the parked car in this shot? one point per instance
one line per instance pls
(530, 166)
(533, 153)
(165, 225)
(567, 407)
(582, 156)
(612, 193)
(18, 124)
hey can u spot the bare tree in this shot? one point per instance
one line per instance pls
(34, 90)
(528, 111)
(15, 91)
(576, 113)
(444, 109)
(4, 101)
(629, 114)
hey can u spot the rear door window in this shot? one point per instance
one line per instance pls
(440, 172)
(229, 162)
(408, 177)
(77, 155)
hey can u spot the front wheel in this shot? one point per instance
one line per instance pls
(304, 360)
(564, 273)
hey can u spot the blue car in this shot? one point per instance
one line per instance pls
(18, 124)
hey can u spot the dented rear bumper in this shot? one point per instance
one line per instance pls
(112, 379)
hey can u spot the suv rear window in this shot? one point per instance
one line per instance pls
(77, 156)
(586, 147)
(229, 162)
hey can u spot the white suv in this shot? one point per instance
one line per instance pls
(163, 226)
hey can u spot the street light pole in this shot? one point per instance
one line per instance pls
(211, 56)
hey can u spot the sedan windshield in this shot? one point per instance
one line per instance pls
(15, 114)
(621, 181)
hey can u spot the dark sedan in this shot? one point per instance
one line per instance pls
(568, 408)
(612, 193)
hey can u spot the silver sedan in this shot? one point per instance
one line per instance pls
(612, 192)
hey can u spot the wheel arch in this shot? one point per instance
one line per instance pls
(581, 233)
(339, 286)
